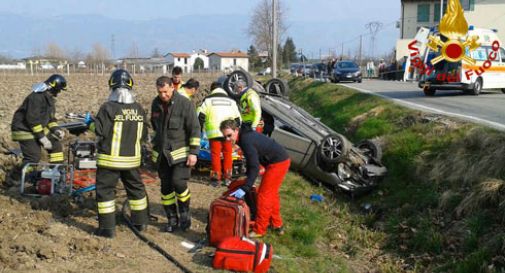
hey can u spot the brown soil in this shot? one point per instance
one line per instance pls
(54, 234)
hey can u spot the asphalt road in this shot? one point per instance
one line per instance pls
(488, 108)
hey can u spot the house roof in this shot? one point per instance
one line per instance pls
(180, 55)
(230, 54)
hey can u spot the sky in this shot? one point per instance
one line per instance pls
(356, 11)
(306, 10)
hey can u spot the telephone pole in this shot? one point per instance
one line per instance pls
(274, 38)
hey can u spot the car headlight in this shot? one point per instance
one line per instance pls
(357, 74)
(343, 171)
(338, 72)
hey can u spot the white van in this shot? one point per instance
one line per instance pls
(488, 72)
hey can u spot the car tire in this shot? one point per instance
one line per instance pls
(333, 148)
(229, 83)
(359, 81)
(277, 87)
(429, 92)
(503, 90)
(370, 148)
(477, 87)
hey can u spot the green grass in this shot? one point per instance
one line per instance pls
(412, 216)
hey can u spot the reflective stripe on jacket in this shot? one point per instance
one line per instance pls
(250, 107)
(216, 108)
(120, 128)
(35, 117)
(177, 130)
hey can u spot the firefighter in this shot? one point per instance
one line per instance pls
(175, 148)
(177, 77)
(216, 108)
(260, 149)
(249, 103)
(120, 128)
(189, 88)
(34, 125)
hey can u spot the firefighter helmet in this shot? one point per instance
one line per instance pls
(56, 83)
(120, 78)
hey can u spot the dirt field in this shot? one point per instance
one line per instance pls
(55, 234)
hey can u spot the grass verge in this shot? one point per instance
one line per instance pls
(440, 209)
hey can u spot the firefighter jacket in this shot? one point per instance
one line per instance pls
(216, 108)
(177, 130)
(35, 117)
(120, 128)
(250, 107)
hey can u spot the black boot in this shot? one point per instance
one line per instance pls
(185, 215)
(173, 221)
(106, 225)
(105, 232)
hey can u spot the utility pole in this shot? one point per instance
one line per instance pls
(373, 27)
(360, 48)
(274, 38)
(342, 54)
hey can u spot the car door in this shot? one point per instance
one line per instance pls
(299, 148)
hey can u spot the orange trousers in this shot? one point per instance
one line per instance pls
(268, 203)
(218, 146)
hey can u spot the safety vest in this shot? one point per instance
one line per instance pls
(184, 93)
(120, 129)
(216, 108)
(250, 107)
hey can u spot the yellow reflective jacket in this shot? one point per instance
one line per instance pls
(250, 107)
(216, 108)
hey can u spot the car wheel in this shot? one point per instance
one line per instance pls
(236, 75)
(503, 90)
(277, 87)
(370, 148)
(333, 148)
(477, 87)
(359, 81)
(430, 92)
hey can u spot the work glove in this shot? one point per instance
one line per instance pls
(239, 194)
(46, 143)
(59, 134)
(88, 119)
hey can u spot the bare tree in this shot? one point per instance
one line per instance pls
(98, 57)
(55, 51)
(261, 25)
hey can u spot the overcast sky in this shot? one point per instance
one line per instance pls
(310, 10)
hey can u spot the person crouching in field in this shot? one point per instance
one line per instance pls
(34, 126)
(260, 149)
(120, 128)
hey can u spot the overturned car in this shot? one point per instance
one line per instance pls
(316, 151)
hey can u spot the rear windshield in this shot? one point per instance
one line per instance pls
(347, 65)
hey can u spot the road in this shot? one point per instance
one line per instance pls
(487, 109)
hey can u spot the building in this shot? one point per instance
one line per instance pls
(427, 13)
(141, 65)
(179, 59)
(228, 61)
(202, 56)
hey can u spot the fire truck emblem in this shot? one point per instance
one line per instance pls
(454, 27)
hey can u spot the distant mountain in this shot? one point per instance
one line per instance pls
(22, 36)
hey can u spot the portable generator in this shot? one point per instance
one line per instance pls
(39, 179)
